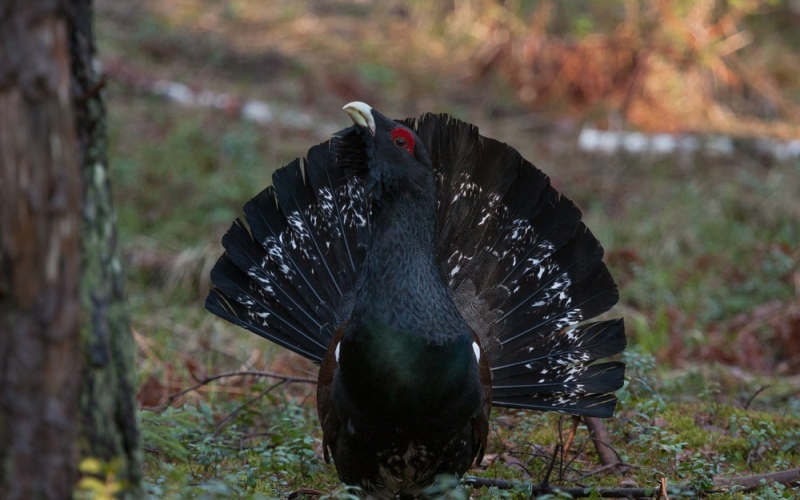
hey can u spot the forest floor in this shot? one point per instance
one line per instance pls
(705, 249)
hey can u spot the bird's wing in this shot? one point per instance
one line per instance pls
(326, 407)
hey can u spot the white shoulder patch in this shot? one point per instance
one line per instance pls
(475, 347)
(336, 352)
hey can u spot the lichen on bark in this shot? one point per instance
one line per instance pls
(109, 418)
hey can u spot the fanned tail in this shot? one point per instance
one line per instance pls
(524, 271)
(556, 371)
(522, 268)
(291, 277)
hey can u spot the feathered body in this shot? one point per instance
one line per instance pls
(432, 272)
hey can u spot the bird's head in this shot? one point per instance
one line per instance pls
(396, 161)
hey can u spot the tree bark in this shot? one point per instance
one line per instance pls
(40, 203)
(67, 379)
(108, 409)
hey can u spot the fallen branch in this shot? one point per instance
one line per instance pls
(743, 484)
(604, 468)
(746, 484)
(544, 489)
(208, 380)
(309, 492)
(230, 416)
(552, 464)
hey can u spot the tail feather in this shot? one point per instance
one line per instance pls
(522, 268)
(287, 262)
(533, 240)
(557, 370)
(290, 278)
(584, 302)
(586, 404)
(583, 344)
(342, 206)
(575, 389)
(560, 291)
(265, 280)
(579, 379)
(309, 233)
(470, 171)
(547, 279)
(512, 239)
(237, 300)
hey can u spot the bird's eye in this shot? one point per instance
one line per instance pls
(402, 138)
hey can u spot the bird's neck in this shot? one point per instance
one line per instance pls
(406, 343)
(400, 287)
(403, 233)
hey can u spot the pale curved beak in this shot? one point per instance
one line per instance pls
(361, 114)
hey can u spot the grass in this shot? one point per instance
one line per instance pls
(704, 249)
(273, 447)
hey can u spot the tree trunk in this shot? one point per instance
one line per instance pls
(40, 203)
(67, 380)
(108, 408)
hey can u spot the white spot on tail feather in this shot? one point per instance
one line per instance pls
(477, 350)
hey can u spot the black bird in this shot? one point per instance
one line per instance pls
(432, 272)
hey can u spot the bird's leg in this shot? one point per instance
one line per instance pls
(576, 421)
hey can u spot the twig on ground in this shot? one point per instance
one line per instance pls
(755, 394)
(513, 462)
(543, 489)
(230, 416)
(743, 484)
(662, 491)
(309, 492)
(605, 468)
(552, 464)
(207, 380)
(746, 484)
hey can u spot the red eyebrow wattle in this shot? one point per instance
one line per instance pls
(402, 133)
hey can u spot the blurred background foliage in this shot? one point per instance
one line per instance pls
(705, 245)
